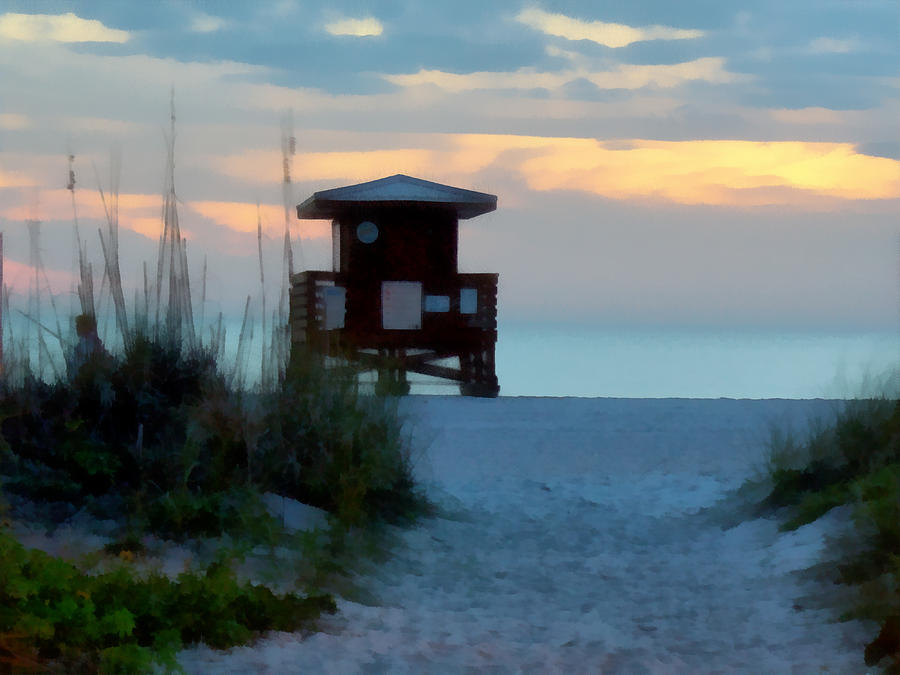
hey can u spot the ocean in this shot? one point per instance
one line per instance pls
(581, 360)
(592, 361)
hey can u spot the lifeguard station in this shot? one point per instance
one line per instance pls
(395, 301)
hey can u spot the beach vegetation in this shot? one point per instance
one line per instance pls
(852, 460)
(56, 617)
(154, 431)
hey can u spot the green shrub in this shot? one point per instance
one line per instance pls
(162, 440)
(49, 610)
(159, 436)
(854, 460)
(182, 514)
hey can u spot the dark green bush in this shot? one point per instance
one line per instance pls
(166, 432)
(115, 425)
(326, 445)
(864, 437)
(155, 427)
(161, 441)
(792, 486)
(816, 503)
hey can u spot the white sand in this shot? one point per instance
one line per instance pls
(572, 541)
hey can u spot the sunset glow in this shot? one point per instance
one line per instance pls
(242, 217)
(19, 277)
(136, 211)
(613, 135)
(686, 172)
(705, 172)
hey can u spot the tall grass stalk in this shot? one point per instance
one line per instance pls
(202, 299)
(110, 247)
(174, 303)
(156, 433)
(264, 371)
(85, 283)
(281, 330)
(237, 377)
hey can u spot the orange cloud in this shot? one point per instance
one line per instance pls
(14, 179)
(17, 276)
(366, 165)
(13, 121)
(141, 213)
(718, 172)
(57, 205)
(136, 211)
(149, 226)
(242, 217)
(710, 172)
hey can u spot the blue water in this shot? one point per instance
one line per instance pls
(539, 359)
(577, 360)
(546, 359)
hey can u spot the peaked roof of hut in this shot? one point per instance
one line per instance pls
(396, 190)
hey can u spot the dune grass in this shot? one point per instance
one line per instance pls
(160, 436)
(157, 440)
(853, 459)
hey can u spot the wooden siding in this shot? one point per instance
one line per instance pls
(441, 331)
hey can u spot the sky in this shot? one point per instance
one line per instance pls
(692, 164)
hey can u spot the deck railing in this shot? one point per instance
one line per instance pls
(475, 323)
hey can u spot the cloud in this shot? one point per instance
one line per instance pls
(19, 277)
(356, 27)
(140, 213)
(812, 115)
(714, 172)
(51, 80)
(242, 217)
(890, 149)
(625, 76)
(711, 172)
(282, 8)
(12, 121)
(57, 28)
(137, 212)
(15, 179)
(110, 127)
(264, 167)
(205, 23)
(553, 50)
(608, 34)
(825, 45)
